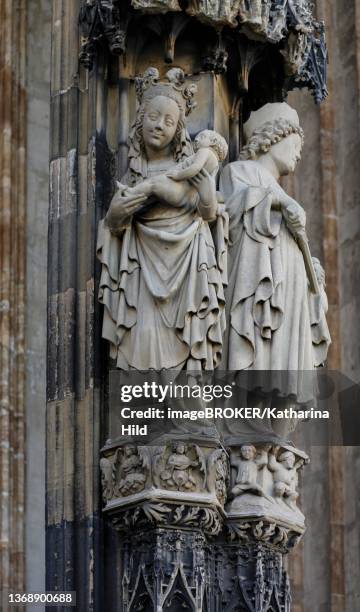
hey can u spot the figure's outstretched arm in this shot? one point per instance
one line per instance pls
(262, 459)
(273, 464)
(205, 185)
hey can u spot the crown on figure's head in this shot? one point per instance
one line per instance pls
(149, 86)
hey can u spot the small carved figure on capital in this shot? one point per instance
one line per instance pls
(108, 478)
(218, 474)
(184, 469)
(155, 6)
(285, 468)
(248, 464)
(133, 466)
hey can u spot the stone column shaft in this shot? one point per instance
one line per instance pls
(12, 290)
(73, 404)
(331, 259)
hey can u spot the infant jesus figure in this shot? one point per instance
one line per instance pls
(173, 186)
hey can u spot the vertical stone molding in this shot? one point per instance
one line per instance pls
(73, 398)
(12, 291)
(336, 456)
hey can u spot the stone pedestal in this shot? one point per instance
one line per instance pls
(189, 538)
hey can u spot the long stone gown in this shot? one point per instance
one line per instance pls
(162, 288)
(273, 321)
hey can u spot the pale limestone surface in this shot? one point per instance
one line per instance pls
(274, 320)
(161, 281)
(38, 78)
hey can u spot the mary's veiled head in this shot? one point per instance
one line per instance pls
(160, 122)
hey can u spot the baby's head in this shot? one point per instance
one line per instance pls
(214, 141)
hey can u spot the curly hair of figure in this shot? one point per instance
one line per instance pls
(267, 135)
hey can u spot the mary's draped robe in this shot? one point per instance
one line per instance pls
(162, 288)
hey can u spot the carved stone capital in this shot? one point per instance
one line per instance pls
(179, 483)
(264, 486)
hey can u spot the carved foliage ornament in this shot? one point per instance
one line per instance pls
(265, 531)
(160, 514)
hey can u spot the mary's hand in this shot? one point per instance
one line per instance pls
(205, 185)
(122, 208)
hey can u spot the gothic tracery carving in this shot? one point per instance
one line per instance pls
(289, 22)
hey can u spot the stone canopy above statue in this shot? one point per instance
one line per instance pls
(263, 17)
(283, 35)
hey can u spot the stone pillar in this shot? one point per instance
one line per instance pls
(12, 291)
(167, 520)
(73, 395)
(38, 120)
(194, 537)
(336, 455)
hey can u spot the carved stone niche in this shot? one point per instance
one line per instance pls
(179, 483)
(127, 27)
(263, 493)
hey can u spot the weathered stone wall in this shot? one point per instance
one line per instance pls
(318, 572)
(12, 291)
(38, 119)
(328, 184)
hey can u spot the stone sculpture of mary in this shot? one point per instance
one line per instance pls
(163, 268)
